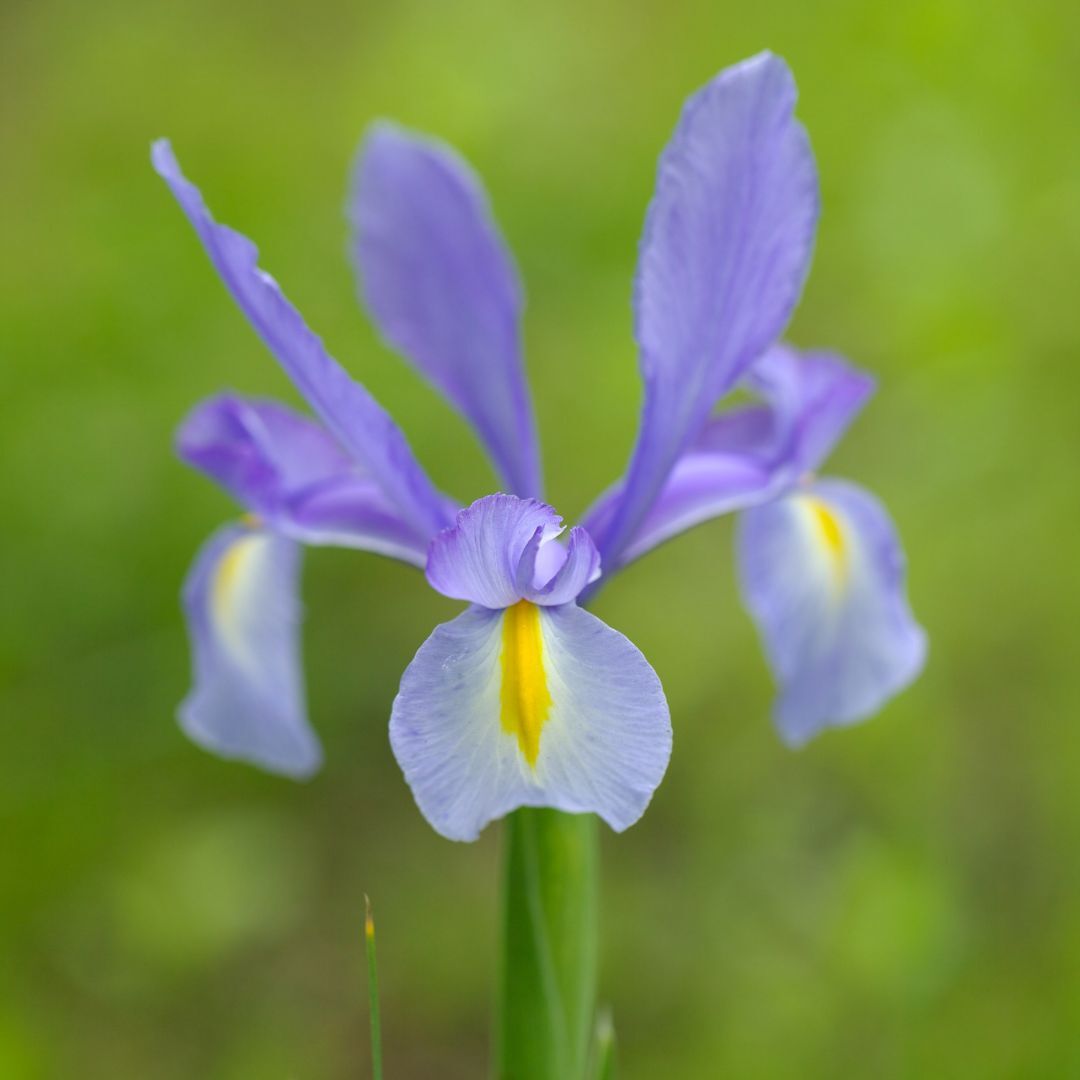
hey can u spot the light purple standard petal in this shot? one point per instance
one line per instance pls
(440, 284)
(356, 420)
(727, 244)
(243, 616)
(287, 469)
(503, 549)
(822, 574)
(603, 746)
(751, 454)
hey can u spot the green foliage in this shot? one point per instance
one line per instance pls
(897, 900)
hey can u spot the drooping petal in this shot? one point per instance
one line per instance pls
(503, 549)
(727, 243)
(441, 286)
(289, 471)
(751, 454)
(243, 617)
(823, 575)
(529, 707)
(356, 420)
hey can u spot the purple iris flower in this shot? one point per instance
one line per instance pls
(526, 699)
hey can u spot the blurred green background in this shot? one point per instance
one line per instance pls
(898, 900)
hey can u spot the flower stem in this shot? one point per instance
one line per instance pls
(547, 980)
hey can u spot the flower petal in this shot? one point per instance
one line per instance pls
(813, 397)
(478, 558)
(752, 454)
(243, 617)
(358, 422)
(289, 471)
(822, 574)
(727, 244)
(440, 284)
(580, 567)
(502, 549)
(529, 707)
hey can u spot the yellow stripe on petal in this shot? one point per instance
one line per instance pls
(830, 534)
(830, 527)
(525, 699)
(230, 592)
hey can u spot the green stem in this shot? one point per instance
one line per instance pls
(547, 986)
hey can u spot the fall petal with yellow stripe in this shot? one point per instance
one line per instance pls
(248, 695)
(823, 576)
(573, 718)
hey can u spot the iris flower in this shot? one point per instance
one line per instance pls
(526, 698)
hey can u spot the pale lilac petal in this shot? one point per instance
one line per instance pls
(503, 549)
(727, 243)
(440, 284)
(752, 454)
(603, 747)
(243, 617)
(352, 415)
(478, 558)
(287, 470)
(823, 575)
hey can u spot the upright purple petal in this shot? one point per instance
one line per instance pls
(727, 244)
(822, 575)
(751, 454)
(598, 735)
(503, 549)
(243, 616)
(441, 286)
(358, 422)
(287, 470)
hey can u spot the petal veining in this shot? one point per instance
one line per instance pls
(726, 247)
(534, 706)
(441, 286)
(503, 549)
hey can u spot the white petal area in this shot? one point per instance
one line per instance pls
(603, 748)
(823, 575)
(243, 615)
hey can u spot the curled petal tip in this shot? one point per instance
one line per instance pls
(502, 550)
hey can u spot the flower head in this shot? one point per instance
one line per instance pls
(526, 698)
